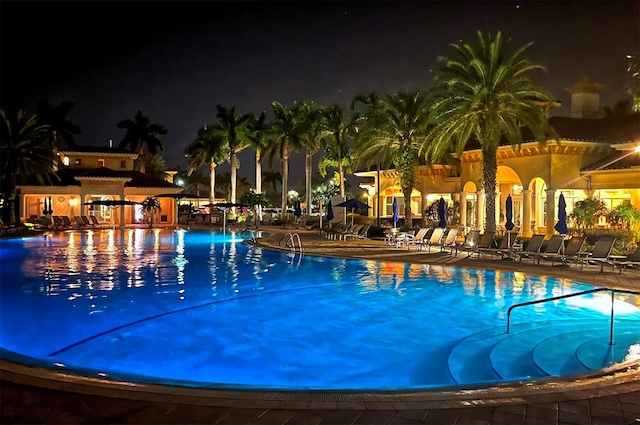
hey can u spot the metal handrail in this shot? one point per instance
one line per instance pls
(613, 292)
(291, 241)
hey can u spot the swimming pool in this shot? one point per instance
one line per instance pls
(202, 309)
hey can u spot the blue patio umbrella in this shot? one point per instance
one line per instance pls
(395, 212)
(561, 225)
(329, 211)
(508, 206)
(353, 204)
(442, 213)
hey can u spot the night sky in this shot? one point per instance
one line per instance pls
(175, 61)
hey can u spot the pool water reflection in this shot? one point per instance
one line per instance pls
(202, 309)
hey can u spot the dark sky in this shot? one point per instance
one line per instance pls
(175, 61)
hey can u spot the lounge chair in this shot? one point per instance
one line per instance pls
(434, 240)
(417, 238)
(57, 222)
(66, 221)
(632, 260)
(504, 249)
(574, 246)
(95, 222)
(449, 241)
(486, 242)
(599, 255)
(533, 247)
(402, 238)
(470, 241)
(361, 234)
(79, 221)
(86, 221)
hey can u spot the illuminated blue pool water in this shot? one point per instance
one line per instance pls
(202, 309)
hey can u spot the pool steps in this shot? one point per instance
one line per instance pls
(529, 350)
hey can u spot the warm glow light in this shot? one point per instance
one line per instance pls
(637, 149)
(73, 202)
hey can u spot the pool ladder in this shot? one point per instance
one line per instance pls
(291, 241)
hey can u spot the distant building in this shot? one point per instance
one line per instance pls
(89, 173)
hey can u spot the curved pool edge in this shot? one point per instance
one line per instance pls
(619, 379)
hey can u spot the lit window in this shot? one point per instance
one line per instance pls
(101, 163)
(78, 161)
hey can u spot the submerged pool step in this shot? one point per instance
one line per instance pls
(536, 350)
(589, 349)
(512, 358)
(469, 361)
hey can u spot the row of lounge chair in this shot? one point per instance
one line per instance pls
(555, 250)
(79, 221)
(354, 231)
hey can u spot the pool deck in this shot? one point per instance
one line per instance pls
(35, 396)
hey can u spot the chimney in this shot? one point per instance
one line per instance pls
(585, 99)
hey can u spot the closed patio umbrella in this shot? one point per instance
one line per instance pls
(395, 212)
(508, 206)
(561, 225)
(329, 212)
(442, 213)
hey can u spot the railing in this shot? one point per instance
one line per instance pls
(292, 241)
(576, 294)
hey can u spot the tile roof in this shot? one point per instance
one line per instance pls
(619, 160)
(97, 149)
(138, 179)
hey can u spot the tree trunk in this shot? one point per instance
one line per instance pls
(212, 182)
(284, 171)
(489, 171)
(258, 171)
(307, 170)
(408, 219)
(234, 174)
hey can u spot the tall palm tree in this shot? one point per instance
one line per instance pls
(236, 132)
(311, 140)
(391, 132)
(287, 128)
(337, 153)
(140, 132)
(24, 152)
(483, 93)
(258, 139)
(61, 132)
(209, 147)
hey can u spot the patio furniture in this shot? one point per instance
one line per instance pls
(434, 240)
(599, 255)
(533, 247)
(486, 242)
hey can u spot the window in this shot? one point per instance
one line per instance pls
(123, 164)
(100, 162)
(78, 161)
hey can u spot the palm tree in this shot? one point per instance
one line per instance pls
(61, 132)
(235, 131)
(24, 152)
(337, 154)
(140, 133)
(271, 179)
(209, 147)
(151, 206)
(156, 166)
(482, 94)
(259, 140)
(391, 131)
(311, 140)
(287, 128)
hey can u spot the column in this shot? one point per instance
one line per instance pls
(463, 210)
(550, 217)
(525, 229)
(498, 208)
(480, 213)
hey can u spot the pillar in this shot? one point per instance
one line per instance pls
(481, 210)
(550, 217)
(463, 209)
(525, 229)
